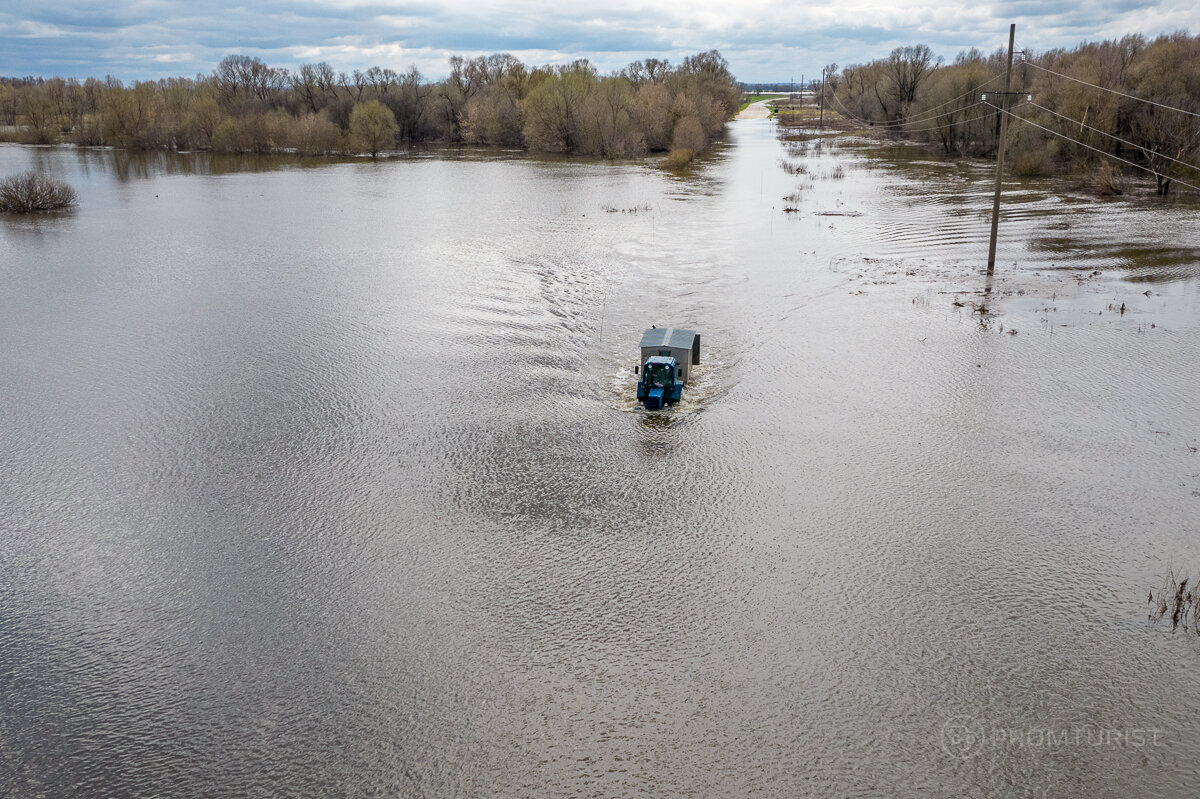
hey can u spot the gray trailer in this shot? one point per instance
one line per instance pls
(672, 342)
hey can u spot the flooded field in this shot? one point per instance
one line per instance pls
(328, 479)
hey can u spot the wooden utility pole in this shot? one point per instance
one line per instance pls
(822, 125)
(1012, 33)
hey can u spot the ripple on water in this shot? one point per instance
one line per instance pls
(368, 506)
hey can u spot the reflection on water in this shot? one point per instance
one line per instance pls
(937, 207)
(328, 478)
(125, 165)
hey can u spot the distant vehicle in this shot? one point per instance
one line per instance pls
(668, 353)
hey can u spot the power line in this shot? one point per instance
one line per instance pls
(940, 126)
(1115, 138)
(894, 124)
(1114, 91)
(1097, 149)
(935, 127)
(868, 122)
(992, 79)
(949, 124)
(849, 113)
(924, 115)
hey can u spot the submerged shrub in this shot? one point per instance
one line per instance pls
(689, 135)
(1106, 181)
(679, 158)
(1032, 163)
(31, 191)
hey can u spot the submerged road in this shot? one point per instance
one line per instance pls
(757, 110)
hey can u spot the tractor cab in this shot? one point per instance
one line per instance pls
(661, 382)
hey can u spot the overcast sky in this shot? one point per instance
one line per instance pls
(764, 40)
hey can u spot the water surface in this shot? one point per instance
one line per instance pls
(327, 479)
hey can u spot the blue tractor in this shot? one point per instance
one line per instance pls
(660, 384)
(668, 353)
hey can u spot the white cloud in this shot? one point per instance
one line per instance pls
(762, 39)
(28, 29)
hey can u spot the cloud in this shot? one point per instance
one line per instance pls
(762, 39)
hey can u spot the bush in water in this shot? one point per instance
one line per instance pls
(31, 191)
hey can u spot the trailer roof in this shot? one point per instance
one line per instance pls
(668, 337)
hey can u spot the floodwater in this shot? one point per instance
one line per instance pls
(327, 480)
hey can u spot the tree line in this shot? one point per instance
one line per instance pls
(245, 105)
(915, 93)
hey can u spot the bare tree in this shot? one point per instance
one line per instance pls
(650, 70)
(307, 85)
(908, 67)
(243, 75)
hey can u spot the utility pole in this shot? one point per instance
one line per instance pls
(991, 268)
(822, 125)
